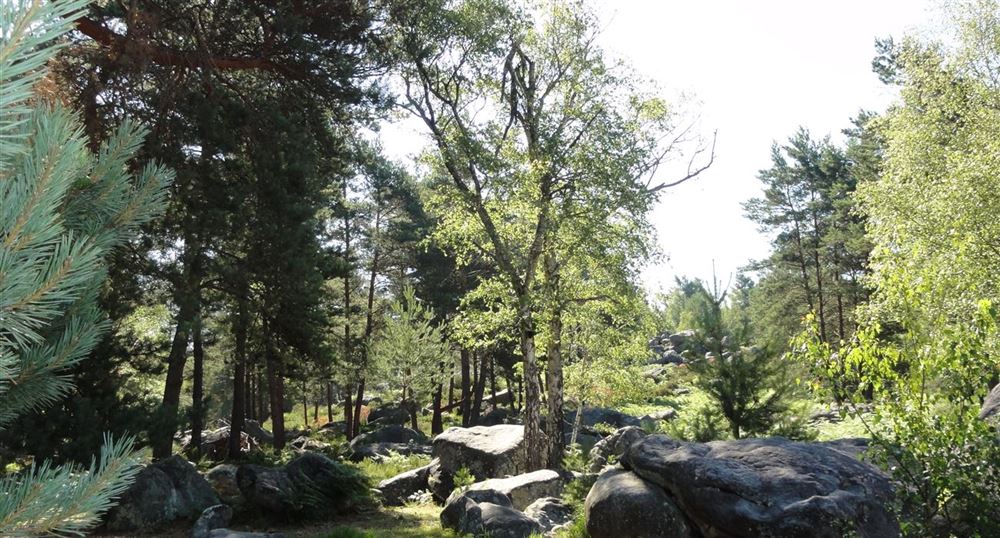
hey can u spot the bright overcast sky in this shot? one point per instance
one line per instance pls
(758, 70)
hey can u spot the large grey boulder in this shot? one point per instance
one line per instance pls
(164, 492)
(523, 489)
(991, 405)
(614, 445)
(549, 512)
(259, 434)
(381, 451)
(487, 513)
(622, 505)
(486, 451)
(222, 478)
(396, 490)
(389, 414)
(305, 483)
(214, 517)
(768, 487)
(592, 416)
(389, 434)
(379, 443)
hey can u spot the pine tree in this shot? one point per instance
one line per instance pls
(62, 210)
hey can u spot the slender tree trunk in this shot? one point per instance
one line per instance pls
(265, 410)
(819, 270)
(305, 405)
(349, 427)
(162, 438)
(534, 439)
(577, 422)
(437, 424)
(316, 410)
(276, 392)
(197, 386)
(240, 379)
(412, 408)
(250, 398)
(554, 368)
(466, 405)
(369, 322)
(493, 380)
(480, 388)
(451, 390)
(511, 391)
(329, 401)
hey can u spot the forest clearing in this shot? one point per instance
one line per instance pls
(404, 268)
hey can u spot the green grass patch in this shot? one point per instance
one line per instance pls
(376, 471)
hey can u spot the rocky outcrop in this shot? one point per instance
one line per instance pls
(396, 490)
(522, 490)
(549, 512)
(486, 451)
(622, 505)
(487, 513)
(164, 492)
(613, 446)
(670, 348)
(308, 481)
(767, 487)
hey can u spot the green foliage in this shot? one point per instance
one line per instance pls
(463, 478)
(62, 210)
(749, 386)
(699, 423)
(574, 459)
(927, 396)
(410, 348)
(391, 465)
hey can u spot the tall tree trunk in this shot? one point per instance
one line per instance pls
(511, 390)
(369, 321)
(265, 410)
(480, 388)
(162, 439)
(411, 406)
(451, 390)
(493, 380)
(276, 391)
(348, 412)
(197, 386)
(819, 270)
(554, 368)
(466, 388)
(240, 379)
(305, 405)
(437, 424)
(534, 440)
(251, 400)
(329, 401)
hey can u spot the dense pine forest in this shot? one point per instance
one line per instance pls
(229, 309)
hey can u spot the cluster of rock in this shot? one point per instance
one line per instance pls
(172, 490)
(504, 502)
(676, 348)
(742, 488)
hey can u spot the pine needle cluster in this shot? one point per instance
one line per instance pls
(63, 208)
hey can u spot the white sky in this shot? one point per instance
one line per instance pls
(758, 70)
